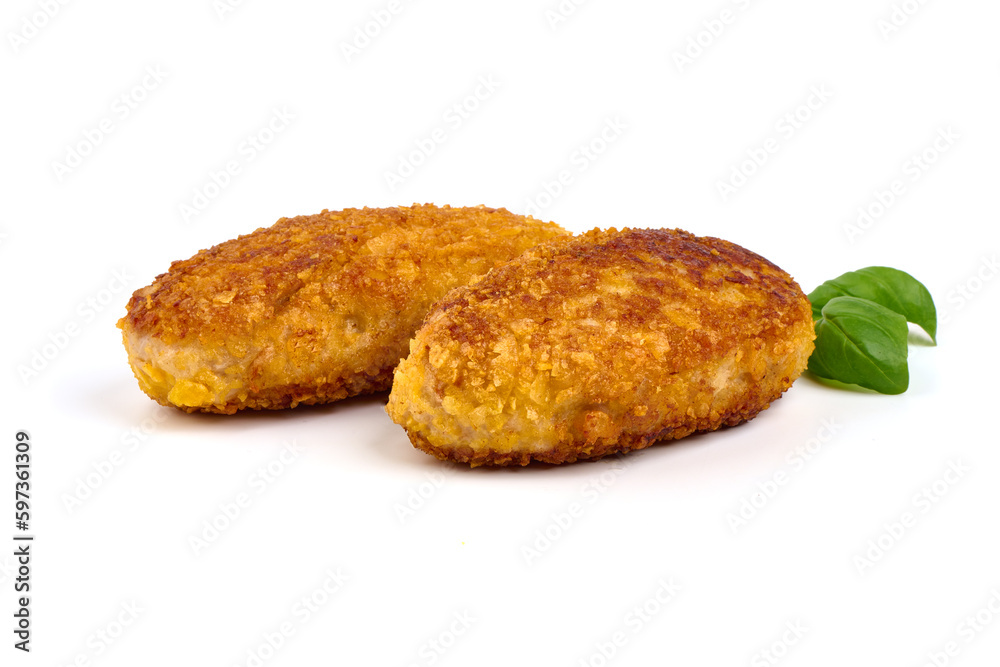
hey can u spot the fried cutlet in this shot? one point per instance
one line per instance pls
(312, 309)
(602, 343)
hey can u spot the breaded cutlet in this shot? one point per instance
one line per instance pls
(312, 309)
(601, 343)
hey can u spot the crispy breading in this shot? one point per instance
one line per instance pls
(312, 309)
(598, 344)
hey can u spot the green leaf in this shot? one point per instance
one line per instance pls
(896, 290)
(861, 342)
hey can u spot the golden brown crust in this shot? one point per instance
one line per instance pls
(312, 309)
(602, 343)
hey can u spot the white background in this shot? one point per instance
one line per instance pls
(660, 515)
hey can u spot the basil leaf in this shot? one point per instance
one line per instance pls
(861, 342)
(896, 290)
